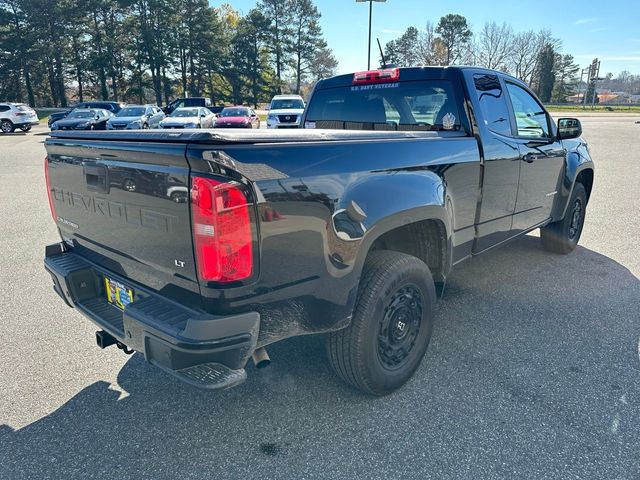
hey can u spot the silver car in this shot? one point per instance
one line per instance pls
(189, 117)
(135, 117)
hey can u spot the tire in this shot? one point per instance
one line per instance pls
(395, 308)
(26, 129)
(6, 126)
(563, 236)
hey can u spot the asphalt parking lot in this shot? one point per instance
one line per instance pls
(533, 370)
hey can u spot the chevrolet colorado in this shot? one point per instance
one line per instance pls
(347, 227)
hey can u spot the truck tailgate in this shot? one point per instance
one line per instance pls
(124, 206)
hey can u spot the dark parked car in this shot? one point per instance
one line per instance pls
(350, 230)
(113, 107)
(237, 117)
(186, 102)
(84, 119)
(217, 110)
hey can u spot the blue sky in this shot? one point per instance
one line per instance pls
(608, 30)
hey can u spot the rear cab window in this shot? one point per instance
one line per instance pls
(493, 103)
(421, 105)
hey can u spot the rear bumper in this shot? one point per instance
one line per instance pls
(205, 350)
(26, 124)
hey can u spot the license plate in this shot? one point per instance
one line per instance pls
(117, 293)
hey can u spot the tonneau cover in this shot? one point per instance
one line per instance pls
(225, 136)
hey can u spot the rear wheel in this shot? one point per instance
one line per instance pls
(26, 128)
(6, 126)
(563, 236)
(391, 327)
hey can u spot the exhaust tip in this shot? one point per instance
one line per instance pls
(260, 358)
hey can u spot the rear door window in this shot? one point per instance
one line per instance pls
(493, 103)
(415, 105)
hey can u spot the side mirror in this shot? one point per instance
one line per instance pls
(569, 128)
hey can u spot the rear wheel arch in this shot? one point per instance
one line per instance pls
(426, 239)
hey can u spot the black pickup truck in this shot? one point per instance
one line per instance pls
(348, 227)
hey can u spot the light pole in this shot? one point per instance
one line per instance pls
(370, 13)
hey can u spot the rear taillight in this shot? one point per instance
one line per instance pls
(46, 177)
(377, 76)
(221, 230)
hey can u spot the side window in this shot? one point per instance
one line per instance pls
(531, 119)
(4, 108)
(493, 103)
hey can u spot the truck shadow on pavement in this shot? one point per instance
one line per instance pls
(533, 354)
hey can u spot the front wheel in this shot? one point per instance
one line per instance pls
(6, 126)
(563, 236)
(390, 331)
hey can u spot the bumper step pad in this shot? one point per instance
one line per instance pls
(214, 376)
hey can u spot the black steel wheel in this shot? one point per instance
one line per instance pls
(391, 327)
(399, 327)
(563, 236)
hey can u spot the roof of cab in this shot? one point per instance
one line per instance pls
(406, 74)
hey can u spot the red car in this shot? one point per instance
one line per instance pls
(237, 117)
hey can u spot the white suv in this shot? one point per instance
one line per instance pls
(17, 115)
(285, 111)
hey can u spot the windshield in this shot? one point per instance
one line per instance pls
(82, 114)
(24, 108)
(187, 112)
(286, 104)
(422, 105)
(235, 112)
(131, 112)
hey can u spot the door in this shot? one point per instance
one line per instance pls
(542, 159)
(501, 163)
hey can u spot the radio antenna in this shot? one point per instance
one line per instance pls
(384, 62)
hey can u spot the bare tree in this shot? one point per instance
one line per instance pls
(526, 50)
(494, 46)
